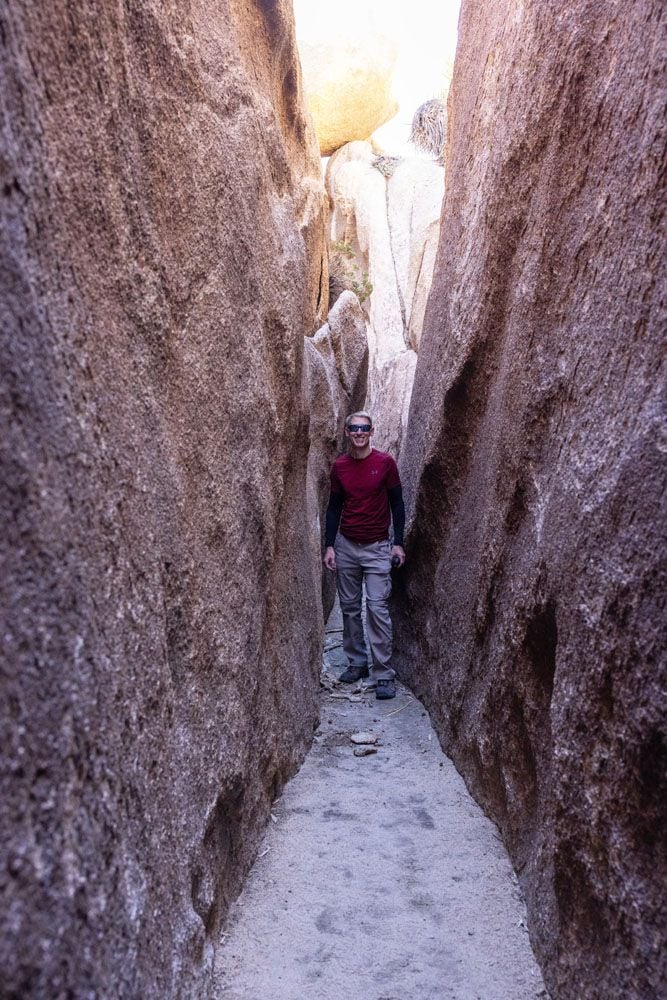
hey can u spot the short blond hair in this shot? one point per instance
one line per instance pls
(360, 413)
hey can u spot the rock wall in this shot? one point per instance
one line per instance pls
(532, 615)
(163, 248)
(387, 212)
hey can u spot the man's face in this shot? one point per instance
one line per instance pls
(359, 431)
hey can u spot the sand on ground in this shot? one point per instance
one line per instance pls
(379, 877)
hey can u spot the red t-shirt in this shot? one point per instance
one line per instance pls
(364, 483)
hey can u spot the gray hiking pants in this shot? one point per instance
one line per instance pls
(370, 564)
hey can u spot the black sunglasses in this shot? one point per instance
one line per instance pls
(359, 428)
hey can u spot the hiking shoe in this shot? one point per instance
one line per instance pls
(385, 689)
(353, 674)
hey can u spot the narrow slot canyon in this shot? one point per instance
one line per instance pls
(215, 249)
(378, 876)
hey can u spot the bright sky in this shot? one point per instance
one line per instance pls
(425, 31)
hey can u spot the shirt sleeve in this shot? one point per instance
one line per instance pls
(397, 513)
(332, 518)
(336, 486)
(393, 478)
(334, 508)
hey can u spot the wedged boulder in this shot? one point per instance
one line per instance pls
(532, 612)
(387, 212)
(162, 228)
(335, 373)
(348, 78)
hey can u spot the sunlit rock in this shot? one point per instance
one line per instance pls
(415, 191)
(348, 83)
(386, 216)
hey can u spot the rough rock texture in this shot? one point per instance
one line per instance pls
(428, 131)
(335, 373)
(391, 222)
(348, 83)
(532, 618)
(162, 260)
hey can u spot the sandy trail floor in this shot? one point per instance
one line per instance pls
(379, 878)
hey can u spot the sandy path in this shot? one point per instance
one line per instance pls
(380, 878)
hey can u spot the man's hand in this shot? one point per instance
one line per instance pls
(399, 551)
(330, 558)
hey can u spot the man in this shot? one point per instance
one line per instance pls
(365, 487)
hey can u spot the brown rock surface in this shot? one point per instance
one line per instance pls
(162, 245)
(532, 616)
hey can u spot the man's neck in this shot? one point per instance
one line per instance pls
(359, 453)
